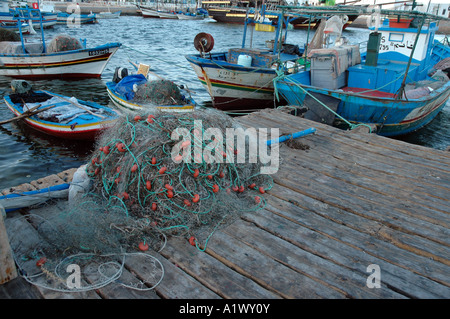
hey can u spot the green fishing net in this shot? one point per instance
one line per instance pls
(140, 194)
(63, 42)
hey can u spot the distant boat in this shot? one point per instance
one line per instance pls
(200, 14)
(76, 18)
(63, 57)
(108, 15)
(35, 61)
(49, 19)
(149, 13)
(61, 116)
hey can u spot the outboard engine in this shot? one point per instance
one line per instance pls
(119, 74)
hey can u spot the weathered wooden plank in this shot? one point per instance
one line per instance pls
(267, 272)
(360, 202)
(47, 181)
(67, 175)
(341, 143)
(176, 283)
(26, 187)
(380, 144)
(351, 284)
(212, 273)
(348, 240)
(19, 288)
(386, 187)
(127, 286)
(25, 239)
(8, 269)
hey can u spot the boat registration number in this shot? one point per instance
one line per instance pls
(227, 75)
(98, 52)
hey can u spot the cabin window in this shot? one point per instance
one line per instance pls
(396, 37)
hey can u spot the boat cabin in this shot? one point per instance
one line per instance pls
(389, 50)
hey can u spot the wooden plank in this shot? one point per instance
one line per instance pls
(380, 144)
(19, 288)
(359, 202)
(221, 279)
(26, 240)
(351, 284)
(378, 158)
(47, 181)
(8, 269)
(67, 175)
(176, 283)
(266, 271)
(126, 287)
(26, 187)
(350, 241)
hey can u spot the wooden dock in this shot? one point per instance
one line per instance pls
(342, 203)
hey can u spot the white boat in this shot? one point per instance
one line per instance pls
(167, 15)
(190, 16)
(63, 17)
(52, 59)
(108, 15)
(149, 13)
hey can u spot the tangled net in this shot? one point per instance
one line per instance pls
(159, 92)
(134, 172)
(141, 193)
(63, 42)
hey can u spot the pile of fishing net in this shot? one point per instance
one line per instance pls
(8, 35)
(63, 42)
(139, 188)
(165, 176)
(159, 92)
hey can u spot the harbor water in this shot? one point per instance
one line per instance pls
(27, 155)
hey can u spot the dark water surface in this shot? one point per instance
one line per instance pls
(26, 155)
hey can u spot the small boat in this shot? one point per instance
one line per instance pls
(58, 115)
(200, 14)
(12, 26)
(36, 17)
(167, 15)
(398, 86)
(63, 57)
(240, 79)
(149, 13)
(64, 17)
(108, 15)
(143, 91)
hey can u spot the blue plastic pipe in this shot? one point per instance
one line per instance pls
(293, 135)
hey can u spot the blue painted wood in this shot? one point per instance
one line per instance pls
(371, 93)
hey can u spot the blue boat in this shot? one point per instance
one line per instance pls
(398, 86)
(58, 115)
(146, 91)
(75, 19)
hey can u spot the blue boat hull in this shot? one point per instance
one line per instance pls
(391, 116)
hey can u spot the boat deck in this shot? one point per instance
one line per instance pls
(342, 202)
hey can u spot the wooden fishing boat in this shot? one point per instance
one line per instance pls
(74, 19)
(61, 116)
(108, 15)
(125, 92)
(391, 89)
(63, 57)
(149, 13)
(240, 79)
